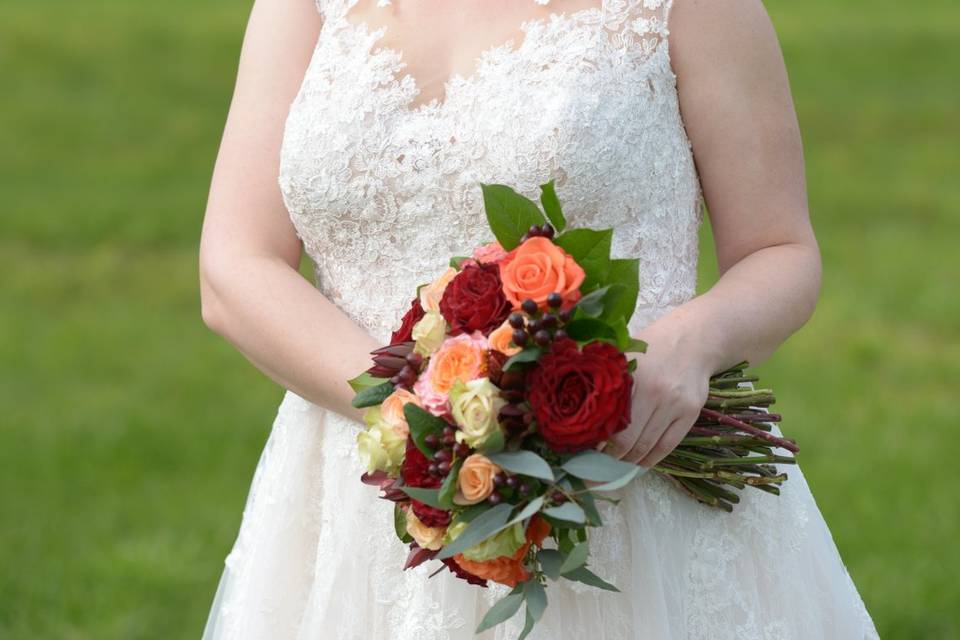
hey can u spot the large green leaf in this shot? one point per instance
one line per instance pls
(449, 486)
(523, 462)
(502, 611)
(509, 213)
(588, 577)
(536, 597)
(568, 512)
(576, 558)
(626, 273)
(550, 562)
(591, 249)
(372, 396)
(364, 381)
(430, 497)
(482, 527)
(422, 423)
(551, 206)
(597, 467)
(588, 329)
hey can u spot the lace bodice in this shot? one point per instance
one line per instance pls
(383, 192)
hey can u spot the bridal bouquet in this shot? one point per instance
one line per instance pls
(485, 413)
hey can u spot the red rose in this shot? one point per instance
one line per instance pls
(474, 300)
(430, 516)
(580, 397)
(410, 318)
(462, 573)
(414, 470)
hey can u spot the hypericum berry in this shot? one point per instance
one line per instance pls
(414, 359)
(498, 479)
(431, 440)
(520, 337)
(542, 337)
(463, 449)
(559, 334)
(547, 231)
(512, 481)
(442, 455)
(533, 326)
(395, 380)
(549, 321)
(494, 498)
(558, 497)
(524, 488)
(534, 231)
(433, 469)
(554, 300)
(566, 314)
(517, 321)
(529, 306)
(444, 467)
(448, 431)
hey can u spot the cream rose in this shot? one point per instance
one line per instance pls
(426, 537)
(429, 333)
(380, 445)
(475, 406)
(431, 294)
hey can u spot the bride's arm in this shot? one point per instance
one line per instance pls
(737, 108)
(251, 291)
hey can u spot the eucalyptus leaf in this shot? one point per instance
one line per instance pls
(551, 206)
(482, 527)
(503, 610)
(568, 511)
(589, 505)
(509, 213)
(523, 462)
(576, 558)
(429, 497)
(527, 626)
(536, 598)
(588, 577)
(372, 396)
(550, 561)
(597, 467)
(622, 481)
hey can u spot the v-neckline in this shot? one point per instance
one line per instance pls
(456, 80)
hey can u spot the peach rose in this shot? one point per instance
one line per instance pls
(391, 410)
(426, 537)
(508, 570)
(461, 357)
(475, 479)
(537, 268)
(431, 294)
(500, 339)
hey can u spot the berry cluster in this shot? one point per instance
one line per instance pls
(506, 485)
(541, 328)
(445, 447)
(409, 371)
(544, 230)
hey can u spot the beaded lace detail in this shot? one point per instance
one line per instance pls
(382, 193)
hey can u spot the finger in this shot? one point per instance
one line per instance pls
(662, 416)
(668, 441)
(621, 443)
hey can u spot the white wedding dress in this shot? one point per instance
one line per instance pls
(382, 192)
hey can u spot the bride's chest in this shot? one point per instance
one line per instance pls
(572, 102)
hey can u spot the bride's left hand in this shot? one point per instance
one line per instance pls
(671, 382)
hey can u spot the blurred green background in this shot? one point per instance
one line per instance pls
(130, 433)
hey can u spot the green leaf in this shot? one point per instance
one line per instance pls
(528, 626)
(576, 558)
(622, 481)
(632, 364)
(469, 513)
(482, 527)
(550, 561)
(449, 486)
(588, 577)
(624, 272)
(455, 262)
(636, 346)
(536, 598)
(532, 507)
(568, 511)
(597, 467)
(494, 443)
(363, 381)
(592, 303)
(589, 329)
(400, 524)
(502, 611)
(509, 213)
(590, 508)
(523, 462)
(372, 396)
(530, 354)
(422, 423)
(551, 206)
(591, 249)
(430, 497)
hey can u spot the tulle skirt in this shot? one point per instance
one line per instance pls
(316, 558)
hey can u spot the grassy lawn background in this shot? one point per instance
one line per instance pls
(130, 433)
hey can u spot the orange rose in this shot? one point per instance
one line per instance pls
(508, 570)
(463, 359)
(500, 339)
(475, 479)
(392, 410)
(537, 268)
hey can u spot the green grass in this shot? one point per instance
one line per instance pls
(130, 432)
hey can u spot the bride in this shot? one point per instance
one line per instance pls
(381, 118)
